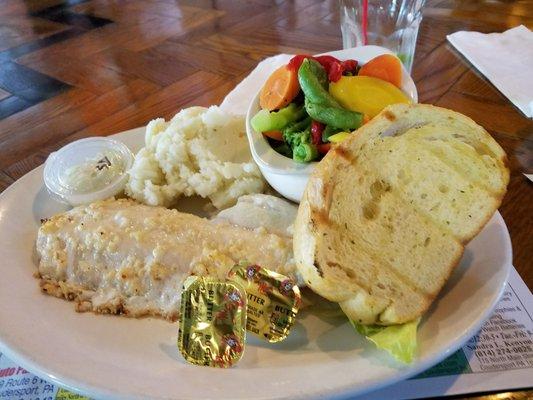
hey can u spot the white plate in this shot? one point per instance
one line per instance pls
(117, 357)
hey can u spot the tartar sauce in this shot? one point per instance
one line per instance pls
(94, 173)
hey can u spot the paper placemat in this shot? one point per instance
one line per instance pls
(498, 357)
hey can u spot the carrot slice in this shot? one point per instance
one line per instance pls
(279, 89)
(276, 135)
(386, 67)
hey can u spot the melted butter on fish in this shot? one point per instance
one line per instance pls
(118, 256)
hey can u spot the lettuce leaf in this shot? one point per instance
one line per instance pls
(398, 340)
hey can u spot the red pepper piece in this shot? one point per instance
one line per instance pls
(334, 67)
(296, 61)
(349, 65)
(323, 148)
(327, 60)
(335, 72)
(316, 132)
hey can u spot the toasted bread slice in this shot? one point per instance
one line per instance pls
(387, 213)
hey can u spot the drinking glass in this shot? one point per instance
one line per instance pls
(389, 23)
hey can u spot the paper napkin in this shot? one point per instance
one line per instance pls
(506, 59)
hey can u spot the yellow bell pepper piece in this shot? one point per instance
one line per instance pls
(339, 137)
(366, 94)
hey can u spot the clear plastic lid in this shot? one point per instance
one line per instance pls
(88, 170)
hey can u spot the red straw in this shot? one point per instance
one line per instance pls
(365, 22)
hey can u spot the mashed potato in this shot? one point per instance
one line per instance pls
(201, 151)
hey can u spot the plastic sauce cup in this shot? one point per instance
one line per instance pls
(98, 155)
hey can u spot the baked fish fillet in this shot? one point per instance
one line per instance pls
(121, 257)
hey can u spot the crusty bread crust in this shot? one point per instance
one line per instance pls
(386, 214)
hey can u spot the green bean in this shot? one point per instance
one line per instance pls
(334, 117)
(312, 84)
(319, 104)
(320, 72)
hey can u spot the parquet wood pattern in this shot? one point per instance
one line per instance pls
(95, 67)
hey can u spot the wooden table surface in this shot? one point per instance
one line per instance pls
(83, 68)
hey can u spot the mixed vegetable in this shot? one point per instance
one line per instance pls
(314, 102)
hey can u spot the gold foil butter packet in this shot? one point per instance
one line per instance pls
(273, 300)
(212, 327)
